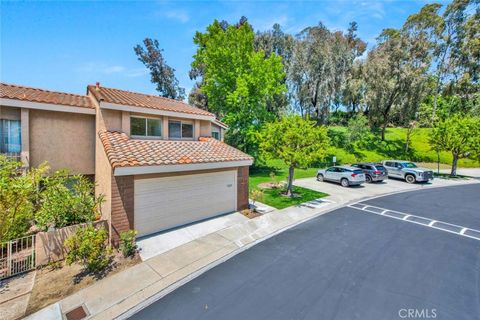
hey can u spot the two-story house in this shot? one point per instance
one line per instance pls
(159, 163)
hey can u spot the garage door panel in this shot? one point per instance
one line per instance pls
(163, 203)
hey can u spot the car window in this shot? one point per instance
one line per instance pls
(357, 171)
(370, 168)
(381, 168)
(389, 164)
(340, 170)
(331, 169)
(409, 165)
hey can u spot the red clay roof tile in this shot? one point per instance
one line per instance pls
(135, 99)
(11, 91)
(125, 152)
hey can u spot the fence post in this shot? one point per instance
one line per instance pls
(9, 258)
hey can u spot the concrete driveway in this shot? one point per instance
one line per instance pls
(349, 264)
(158, 243)
(341, 194)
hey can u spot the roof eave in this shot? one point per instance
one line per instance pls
(127, 171)
(121, 107)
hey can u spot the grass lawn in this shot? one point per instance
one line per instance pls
(274, 198)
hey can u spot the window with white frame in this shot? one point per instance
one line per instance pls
(145, 127)
(216, 132)
(180, 129)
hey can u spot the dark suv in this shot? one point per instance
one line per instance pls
(373, 171)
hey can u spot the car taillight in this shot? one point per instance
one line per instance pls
(377, 172)
(354, 175)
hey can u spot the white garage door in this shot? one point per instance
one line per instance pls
(164, 203)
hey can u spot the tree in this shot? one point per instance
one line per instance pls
(239, 82)
(18, 197)
(298, 142)
(161, 73)
(459, 135)
(396, 77)
(319, 66)
(275, 41)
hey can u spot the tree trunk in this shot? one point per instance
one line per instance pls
(290, 181)
(383, 131)
(453, 173)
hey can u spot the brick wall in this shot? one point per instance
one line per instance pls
(122, 207)
(242, 188)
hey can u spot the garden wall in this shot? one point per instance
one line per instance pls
(49, 245)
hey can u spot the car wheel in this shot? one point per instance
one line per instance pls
(320, 177)
(410, 178)
(368, 179)
(344, 182)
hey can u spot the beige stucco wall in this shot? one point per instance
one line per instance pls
(63, 139)
(9, 113)
(205, 129)
(103, 180)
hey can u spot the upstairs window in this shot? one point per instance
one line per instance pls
(216, 132)
(180, 130)
(145, 127)
(10, 136)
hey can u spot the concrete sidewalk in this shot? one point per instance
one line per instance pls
(124, 293)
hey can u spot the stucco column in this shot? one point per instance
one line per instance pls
(25, 133)
(126, 122)
(196, 127)
(165, 128)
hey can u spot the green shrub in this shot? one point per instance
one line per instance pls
(18, 197)
(127, 243)
(88, 246)
(67, 200)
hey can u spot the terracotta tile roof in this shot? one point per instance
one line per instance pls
(125, 152)
(143, 100)
(11, 91)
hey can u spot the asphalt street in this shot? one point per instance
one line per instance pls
(348, 264)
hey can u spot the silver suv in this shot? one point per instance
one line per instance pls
(347, 176)
(407, 171)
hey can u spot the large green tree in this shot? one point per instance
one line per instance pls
(298, 142)
(459, 135)
(239, 82)
(321, 62)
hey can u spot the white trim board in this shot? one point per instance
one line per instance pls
(127, 171)
(44, 106)
(120, 107)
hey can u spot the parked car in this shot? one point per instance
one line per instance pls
(374, 172)
(345, 175)
(407, 171)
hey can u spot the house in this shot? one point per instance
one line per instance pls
(159, 163)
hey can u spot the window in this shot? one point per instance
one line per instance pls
(216, 132)
(145, 127)
(180, 130)
(10, 136)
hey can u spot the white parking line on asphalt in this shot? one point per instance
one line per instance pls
(404, 217)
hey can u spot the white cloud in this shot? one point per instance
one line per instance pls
(179, 15)
(105, 69)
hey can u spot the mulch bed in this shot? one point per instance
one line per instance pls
(250, 213)
(57, 281)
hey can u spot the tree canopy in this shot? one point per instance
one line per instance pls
(240, 82)
(297, 141)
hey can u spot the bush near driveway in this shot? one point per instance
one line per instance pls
(88, 246)
(128, 247)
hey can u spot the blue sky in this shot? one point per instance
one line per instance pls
(66, 45)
